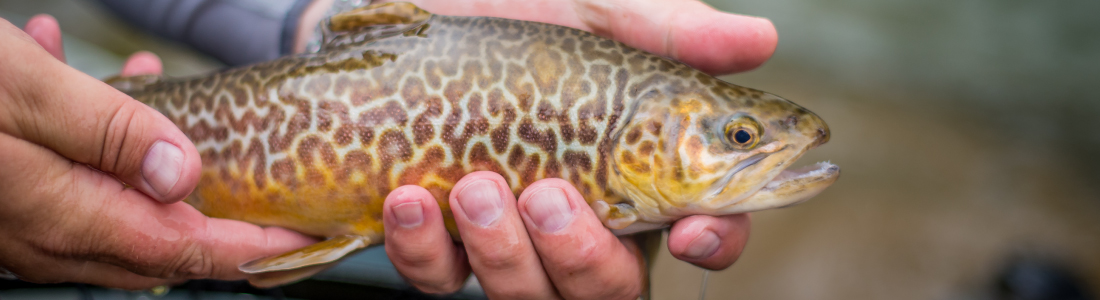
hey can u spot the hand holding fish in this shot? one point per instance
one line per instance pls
(66, 139)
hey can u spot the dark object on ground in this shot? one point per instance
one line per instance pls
(1034, 279)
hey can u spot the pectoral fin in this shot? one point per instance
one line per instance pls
(615, 216)
(320, 253)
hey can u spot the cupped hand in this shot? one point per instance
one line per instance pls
(90, 179)
(547, 245)
(550, 244)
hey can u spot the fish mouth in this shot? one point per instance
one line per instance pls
(804, 175)
(792, 186)
(797, 184)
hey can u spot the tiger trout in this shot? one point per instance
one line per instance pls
(398, 96)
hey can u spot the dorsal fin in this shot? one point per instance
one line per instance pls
(132, 84)
(372, 22)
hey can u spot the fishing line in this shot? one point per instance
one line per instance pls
(703, 288)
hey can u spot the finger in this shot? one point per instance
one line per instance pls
(686, 30)
(45, 30)
(142, 63)
(709, 242)
(38, 268)
(418, 243)
(500, 251)
(92, 123)
(101, 274)
(583, 258)
(74, 212)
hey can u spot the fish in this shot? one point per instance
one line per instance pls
(398, 96)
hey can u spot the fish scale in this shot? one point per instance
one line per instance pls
(397, 96)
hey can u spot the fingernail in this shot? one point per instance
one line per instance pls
(549, 210)
(162, 165)
(702, 246)
(409, 214)
(481, 202)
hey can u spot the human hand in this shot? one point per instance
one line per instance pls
(547, 245)
(66, 142)
(686, 30)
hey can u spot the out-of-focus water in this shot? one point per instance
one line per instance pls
(968, 138)
(967, 133)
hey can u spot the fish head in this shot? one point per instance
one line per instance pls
(718, 150)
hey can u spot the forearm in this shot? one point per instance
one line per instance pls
(235, 31)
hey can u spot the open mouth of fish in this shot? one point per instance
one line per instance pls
(791, 186)
(804, 175)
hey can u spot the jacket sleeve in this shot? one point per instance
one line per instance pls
(236, 32)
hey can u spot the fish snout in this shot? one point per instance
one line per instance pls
(814, 127)
(822, 137)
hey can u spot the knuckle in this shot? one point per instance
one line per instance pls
(192, 262)
(505, 257)
(115, 136)
(584, 260)
(183, 258)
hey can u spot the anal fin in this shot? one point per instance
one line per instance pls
(324, 252)
(277, 278)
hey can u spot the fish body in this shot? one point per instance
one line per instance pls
(398, 96)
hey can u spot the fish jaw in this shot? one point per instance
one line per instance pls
(791, 187)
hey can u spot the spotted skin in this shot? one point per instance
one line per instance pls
(315, 142)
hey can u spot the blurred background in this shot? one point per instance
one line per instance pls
(967, 131)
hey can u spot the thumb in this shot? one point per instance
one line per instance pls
(90, 122)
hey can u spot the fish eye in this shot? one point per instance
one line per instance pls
(742, 136)
(743, 133)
